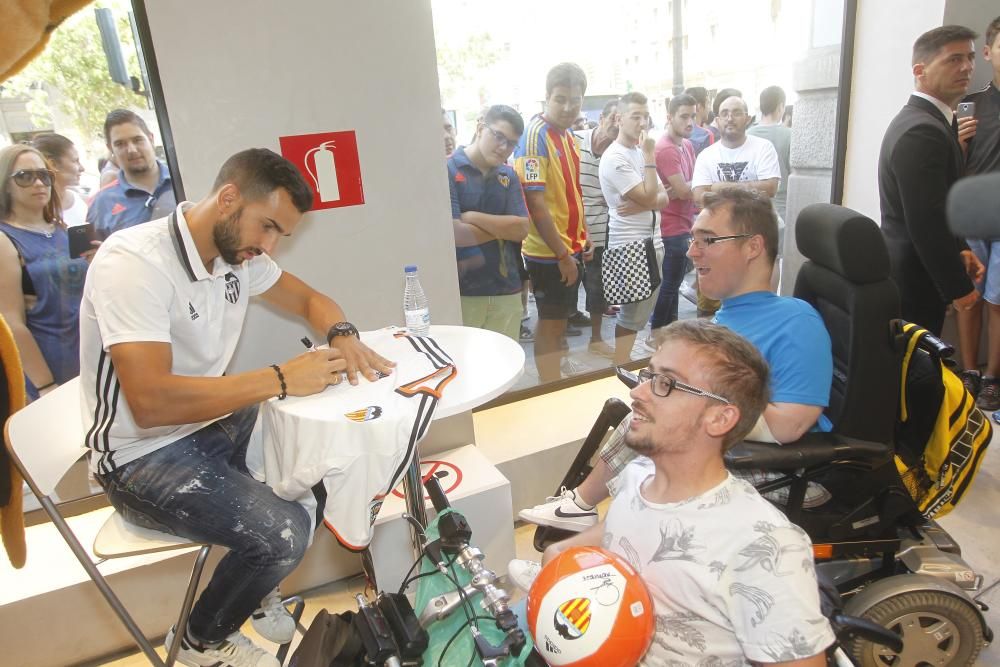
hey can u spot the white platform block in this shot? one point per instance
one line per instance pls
(475, 488)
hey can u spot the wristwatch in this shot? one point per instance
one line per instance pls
(342, 329)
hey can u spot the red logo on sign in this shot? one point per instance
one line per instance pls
(448, 474)
(329, 162)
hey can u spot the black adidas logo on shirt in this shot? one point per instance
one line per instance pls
(194, 313)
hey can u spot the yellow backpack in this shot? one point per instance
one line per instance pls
(941, 436)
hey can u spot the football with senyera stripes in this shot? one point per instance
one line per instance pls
(589, 607)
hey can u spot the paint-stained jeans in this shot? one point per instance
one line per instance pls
(199, 488)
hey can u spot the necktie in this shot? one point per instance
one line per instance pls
(954, 125)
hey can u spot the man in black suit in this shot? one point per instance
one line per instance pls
(919, 161)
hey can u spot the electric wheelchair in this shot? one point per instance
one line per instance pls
(889, 564)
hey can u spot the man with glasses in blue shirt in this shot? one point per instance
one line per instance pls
(490, 220)
(143, 190)
(734, 246)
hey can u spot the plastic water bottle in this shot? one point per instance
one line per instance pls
(418, 314)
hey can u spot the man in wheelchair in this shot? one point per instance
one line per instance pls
(732, 579)
(734, 246)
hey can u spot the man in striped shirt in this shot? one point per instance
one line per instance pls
(593, 143)
(547, 161)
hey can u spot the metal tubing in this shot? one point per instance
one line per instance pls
(414, 489)
(99, 581)
(181, 627)
(298, 606)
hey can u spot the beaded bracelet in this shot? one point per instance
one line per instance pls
(281, 378)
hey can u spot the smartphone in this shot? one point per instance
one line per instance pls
(80, 237)
(966, 110)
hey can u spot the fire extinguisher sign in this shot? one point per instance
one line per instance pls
(329, 163)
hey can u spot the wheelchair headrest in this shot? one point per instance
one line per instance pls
(844, 241)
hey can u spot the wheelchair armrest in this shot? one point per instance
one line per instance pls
(809, 450)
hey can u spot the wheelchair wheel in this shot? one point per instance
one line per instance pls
(937, 629)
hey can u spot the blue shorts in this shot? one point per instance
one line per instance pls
(988, 252)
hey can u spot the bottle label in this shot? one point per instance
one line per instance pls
(418, 318)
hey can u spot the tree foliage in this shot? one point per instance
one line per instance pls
(74, 70)
(465, 67)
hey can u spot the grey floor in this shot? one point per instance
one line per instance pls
(975, 525)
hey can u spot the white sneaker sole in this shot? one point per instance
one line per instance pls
(576, 525)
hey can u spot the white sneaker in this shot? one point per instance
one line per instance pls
(272, 620)
(561, 512)
(234, 651)
(522, 573)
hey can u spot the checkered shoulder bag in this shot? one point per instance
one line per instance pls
(630, 272)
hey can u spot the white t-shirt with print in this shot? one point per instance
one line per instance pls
(732, 579)
(621, 170)
(755, 160)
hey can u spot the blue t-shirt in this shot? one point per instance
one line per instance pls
(700, 139)
(119, 204)
(490, 268)
(792, 338)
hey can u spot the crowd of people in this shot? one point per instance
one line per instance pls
(570, 189)
(41, 284)
(662, 472)
(149, 315)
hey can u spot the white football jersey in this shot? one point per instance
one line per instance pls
(352, 444)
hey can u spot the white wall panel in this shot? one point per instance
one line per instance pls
(241, 73)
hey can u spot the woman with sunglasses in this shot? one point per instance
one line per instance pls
(65, 161)
(40, 285)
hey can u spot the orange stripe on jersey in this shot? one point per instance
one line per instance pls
(569, 163)
(416, 387)
(344, 543)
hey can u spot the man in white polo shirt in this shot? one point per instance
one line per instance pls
(163, 309)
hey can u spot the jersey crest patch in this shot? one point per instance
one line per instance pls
(232, 287)
(364, 414)
(503, 180)
(532, 169)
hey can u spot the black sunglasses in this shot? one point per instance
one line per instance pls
(27, 177)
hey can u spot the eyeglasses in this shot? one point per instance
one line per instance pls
(502, 139)
(27, 177)
(662, 385)
(735, 115)
(705, 241)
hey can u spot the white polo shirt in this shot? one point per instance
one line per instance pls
(148, 284)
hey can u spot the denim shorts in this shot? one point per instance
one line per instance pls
(988, 252)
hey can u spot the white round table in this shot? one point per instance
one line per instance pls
(488, 364)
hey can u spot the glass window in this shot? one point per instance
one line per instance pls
(746, 45)
(94, 182)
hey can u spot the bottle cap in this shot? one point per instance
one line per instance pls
(410, 268)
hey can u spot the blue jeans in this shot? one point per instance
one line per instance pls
(672, 274)
(198, 487)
